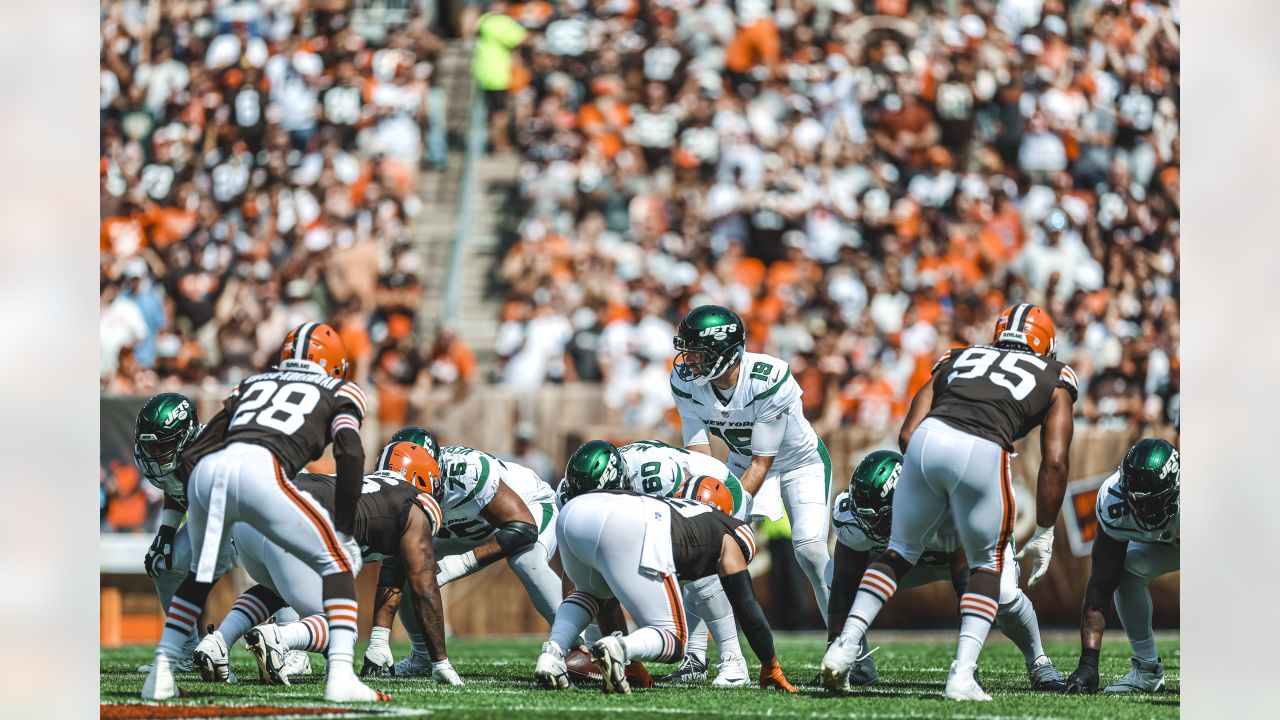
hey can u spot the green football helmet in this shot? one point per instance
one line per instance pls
(165, 425)
(597, 465)
(871, 493)
(416, 435)
(709, 341)
(1149, 482)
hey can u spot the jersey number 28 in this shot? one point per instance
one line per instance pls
(978, 361)
(286, 405)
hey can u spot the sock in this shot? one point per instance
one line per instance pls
(246, 613)
(573, 615)
(653, 644)
(340, 609)
(1018, 622)
(873, 592)
(712, 607)
(1133, 606)
(592, 633)
(541, 582)
(816, 562)
(178, 625)
(167, 584)
(310, 634)
(977, 612)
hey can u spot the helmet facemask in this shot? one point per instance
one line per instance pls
(1152, 510)
(875, 524)
(691, 362)
(159, 456)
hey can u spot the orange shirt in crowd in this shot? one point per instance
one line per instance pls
(755, 44)
(127, 507)
(122, 235)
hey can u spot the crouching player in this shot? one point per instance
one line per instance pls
(493, 510)
(1138, 540)
(397, 516)
(637, 548)
(863, 515)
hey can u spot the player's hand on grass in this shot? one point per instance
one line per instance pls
(160, 555)
(443, 673)
(377, 657)
(771, 677)
(1083, 680)
(1040, 549)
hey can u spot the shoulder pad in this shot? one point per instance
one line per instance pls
(942, 359)
(1067, 379)
(350, 391)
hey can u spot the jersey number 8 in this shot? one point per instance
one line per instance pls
(288, 408)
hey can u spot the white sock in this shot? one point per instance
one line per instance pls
(311, 634)
(573, 615)
(244, 615)
(653, 644)
(179, 623)
(977, 612)
(341, 613)
(873, 592)
(1018, 622)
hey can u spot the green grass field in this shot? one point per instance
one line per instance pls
(499, 677)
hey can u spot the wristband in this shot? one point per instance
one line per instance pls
(171, 518)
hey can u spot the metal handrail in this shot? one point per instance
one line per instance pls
(476, 135)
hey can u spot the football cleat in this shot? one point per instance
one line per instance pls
(691, 668)
(211, 659)
(864, 672)
(1044, 676)
(265, 644)
(297, 662)
(416, 665)
(346, 687)
(609, 655)
(732, 671)
(840, 656)
(551, 672)
(964, 685)
(160, 684)
(182, 664)
(1143, 677)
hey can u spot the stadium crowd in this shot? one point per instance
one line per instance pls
(868, 182)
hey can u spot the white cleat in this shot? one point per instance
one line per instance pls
(346, 687)
(416, 665)
(265, 644)
(732, 671)
(1143, 677)
(963, 685)
(840, 656)
(160, 684)
(212, 659)
(183, 663)
(551, 672)
(611, 658)
(297, 662)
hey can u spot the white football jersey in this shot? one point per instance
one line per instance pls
(765, 391)
(471, 479)
(849, 533)
(1115, 520)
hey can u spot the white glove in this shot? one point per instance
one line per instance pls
(1040, 547)
(377, 657)
(443, 673)
(455, 567)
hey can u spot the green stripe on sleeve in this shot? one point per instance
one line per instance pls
(771, 391)
(735, 489)
(680, 393)
(484, 478)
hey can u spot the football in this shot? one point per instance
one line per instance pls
(582, 670)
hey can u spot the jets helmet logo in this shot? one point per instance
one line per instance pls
(610, 472)
(892, 482)
(719, 332)
(179, 412)
(1170, 466)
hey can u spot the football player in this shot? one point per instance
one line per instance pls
(270, 426)
(862, 517)
(957, 437)
(655, 468)
(397, 517)
(637, 548)
(752, 403)
(1138, 513)
(493, 510)
(165, 428)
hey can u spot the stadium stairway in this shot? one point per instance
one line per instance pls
(493, 213)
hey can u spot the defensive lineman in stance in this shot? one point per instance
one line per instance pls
(1138, 519)
(637, 548)
(863, 515)
(654, 468)
(752, 403)
(493, 510)
(957, 436)
(270, 426)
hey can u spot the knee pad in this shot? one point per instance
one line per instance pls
(515, 537)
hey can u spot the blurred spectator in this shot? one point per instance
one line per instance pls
(497, 34)
(527, 454)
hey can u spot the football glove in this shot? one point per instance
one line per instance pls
(443, 673)
(377, 657)
(771, 677)
(1083, 680)
(1040, 548)
(160, 555)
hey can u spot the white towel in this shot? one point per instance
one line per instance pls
(767, 503)
(656, 556)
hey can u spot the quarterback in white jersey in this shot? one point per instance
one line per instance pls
(493, 510)
(1137, 541)
(863, 515)
(751, 402)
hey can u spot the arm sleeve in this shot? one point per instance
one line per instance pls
(737, 587)
(767, 435)
(348, 456)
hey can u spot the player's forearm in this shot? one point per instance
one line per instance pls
(702, 448)
(753, 477)
(430, 612)
(348, 457)
(1093, 622)
(1051, 487)
(171, 512)
(385, 603)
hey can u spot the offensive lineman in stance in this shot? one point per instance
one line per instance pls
(863, 515)
(1138, 540)
(270, 426)
(751, 402)
(636, 548)
(957, 437)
